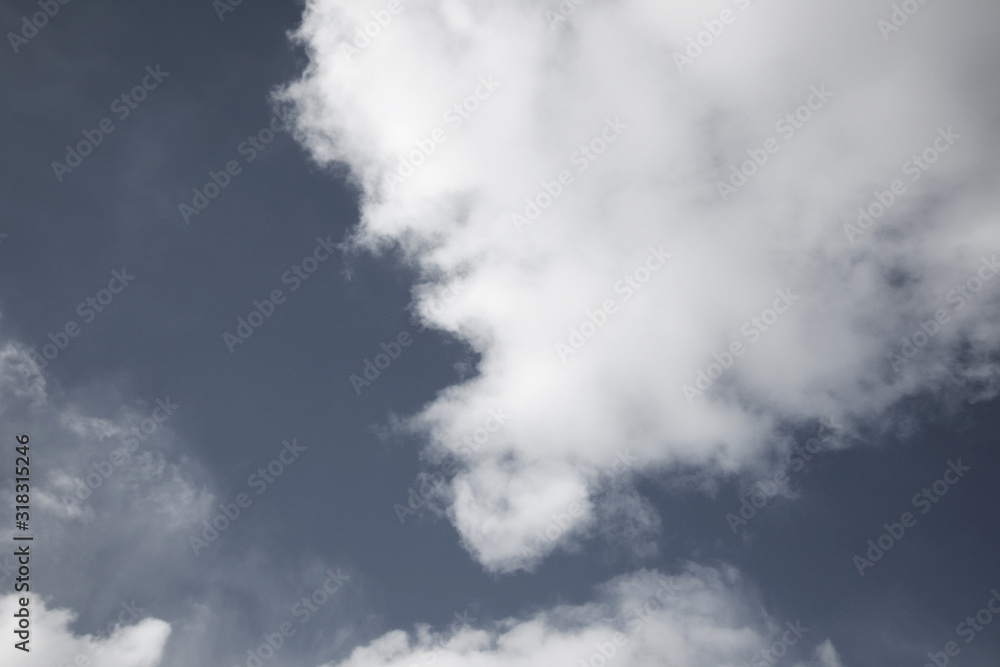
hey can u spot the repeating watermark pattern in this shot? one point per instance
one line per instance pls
(924, 500)
(248, 149)
(104, 468)
(563, 521)
(628, 286)
(773, 653)
(958, 298)
(310, 604)
(787, 126)
(581, 158)
(763, 491)
(914, 168)
(259, 481)
(427, 484)
(899, 17)
(705, 39)
(373, 370)
(365, 34)
(968, 630)
(563, 11)
(223, 7)
(122, 106)
(635, 620)
(264, 308)
(88, 310)
(438, 302)
(463, 621)
(455, 116)
(303, 611)
(31, 25)
(753, 329)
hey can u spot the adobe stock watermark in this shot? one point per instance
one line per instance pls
(365, 34)
(122, 106)
(463, 621)
(915, 168)
(958, 297)
(259, 481)
(88, 310)
(248, 149)
(629, 285)
(563, 11)
(773, 653)
(635, 620)
(752, 329)
(562, 522)
(105, 468)
(31, 25)
(426, 484)
(439, 301)
(373, 370)
(968, 630)
(581, 158)
(223, 7)
(788, 125)
(264, 308)
(455, 116)
(761, 493)
(924, 500)
(302, 610)
(705, 39)
(899, 17)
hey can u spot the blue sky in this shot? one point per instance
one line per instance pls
(502, 332)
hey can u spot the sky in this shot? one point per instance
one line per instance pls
(411, 332)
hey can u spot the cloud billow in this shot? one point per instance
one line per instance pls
(590, 148)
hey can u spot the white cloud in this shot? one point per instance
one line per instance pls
(530, 97)
(52, 642)
(704, 616)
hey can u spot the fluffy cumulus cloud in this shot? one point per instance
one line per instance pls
(675, 228)
(54, 643)
(704, 616)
